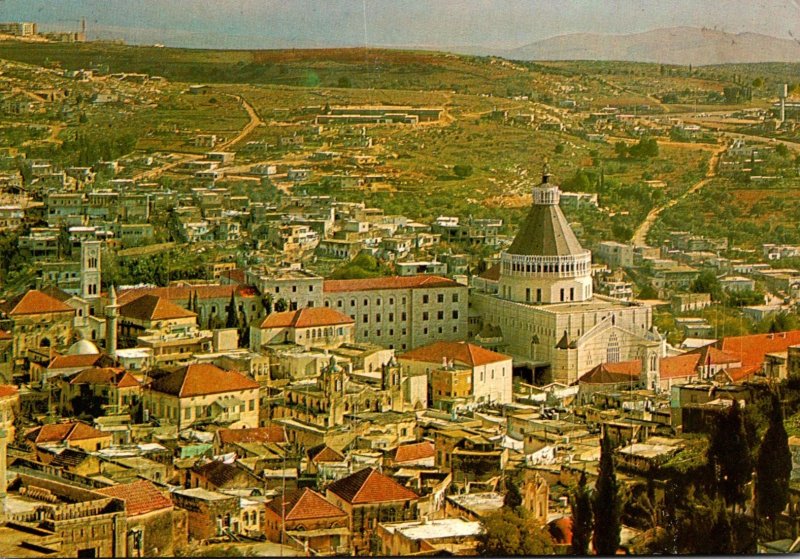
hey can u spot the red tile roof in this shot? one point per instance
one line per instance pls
(306, 318)
(370, 486)
(677, 366)
(182, 293)
(752, 349)
(713, 356)
(114, 376)
(492, 274)
(151, 307)
(324, 453)
(140, 497)
(60, 432)
(8, 390)
(738, 374)
(413, 452)
(78, 361)
(461, 352)
(392, 282)
(34, 302)
(269, 434)
(305, 504)
(200, 379)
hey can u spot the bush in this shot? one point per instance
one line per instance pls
(462, 171)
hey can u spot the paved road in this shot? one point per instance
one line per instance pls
(640, 236)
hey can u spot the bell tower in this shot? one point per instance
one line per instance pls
(650, 377)
(90, 270)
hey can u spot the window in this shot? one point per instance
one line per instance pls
(425, 331)
(538, 295)
(310, 288)
(571, 293)
(365, 318)
(252, 405)
(440, 298)
(378, 301)
(424, 299)
(455, 315)
(425, 315)
(612, 352)
(562, 294)
(391, 317)
(440, 315)
(352, 302)
(366, 302)
(391, 300)
(294, 289)
(339, 303)
(378, 317)
(403, 316)
(277, 289)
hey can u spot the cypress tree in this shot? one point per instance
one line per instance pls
(729, 455)
(582, 519)
(232, 319)
(513, 496)
(773, 467)
(607, 505)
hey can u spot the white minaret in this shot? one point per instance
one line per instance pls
(112, 313)
(90, 270)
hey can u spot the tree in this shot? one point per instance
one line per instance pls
(513, 497)
(621, 149)
(648, 292)
(729, 455)
(281, 305)
(559, 149)
(231, 320)
(513, 532)
(582, 519)
(462, 171)
(773, 467)
(707, 282)
(606, 504)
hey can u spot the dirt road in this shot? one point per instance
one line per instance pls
(640, 236)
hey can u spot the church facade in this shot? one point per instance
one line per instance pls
(538, 306)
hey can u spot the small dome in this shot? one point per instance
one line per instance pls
(83, 347)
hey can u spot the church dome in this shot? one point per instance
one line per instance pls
(83, 347)
(545, 231)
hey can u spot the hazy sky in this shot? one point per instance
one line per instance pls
(303, 23)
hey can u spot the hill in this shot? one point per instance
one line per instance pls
(675, 45)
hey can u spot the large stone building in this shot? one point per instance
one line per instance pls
(537, 303)
(401, 312)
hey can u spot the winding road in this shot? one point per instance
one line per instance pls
(640, 236)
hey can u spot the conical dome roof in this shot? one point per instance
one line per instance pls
(545, 231)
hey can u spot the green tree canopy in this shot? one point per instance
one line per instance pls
(582, 517)
(513, 532)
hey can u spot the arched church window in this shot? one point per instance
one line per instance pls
(612, 353)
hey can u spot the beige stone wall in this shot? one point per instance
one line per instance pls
(404, 319)
(185, 411)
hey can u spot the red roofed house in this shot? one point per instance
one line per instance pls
(458, 368)
(665, 372)
(209, 302)
(304, 516)
(151, 513)
(316, 326)
(401, 312)
(202, 393)
(370, 497)
(414, 454)
(753, 349)
(110, 386)
(150, 314)
(75, 434)
(36, 320)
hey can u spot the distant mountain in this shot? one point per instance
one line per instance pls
(675, 45)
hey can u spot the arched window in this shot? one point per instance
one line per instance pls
(612, 353)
